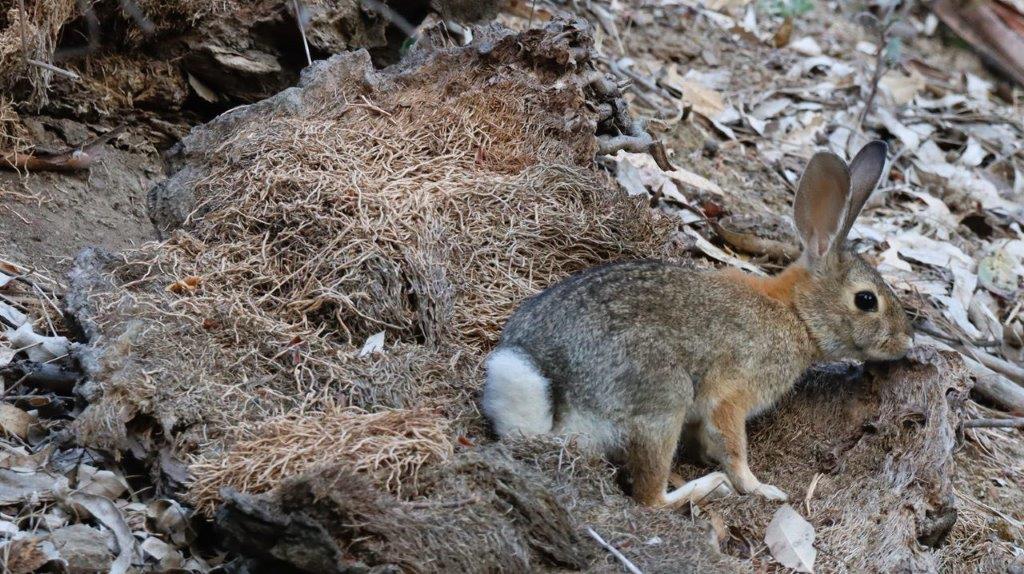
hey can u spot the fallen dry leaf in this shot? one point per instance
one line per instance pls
(100, 482)
(185, 285)
(374, 344)
(14, 421)
(791, 540)
(806, 46)
(39, 348)
(23, 556)
(104, 511)
(902, 88)
(782, 36)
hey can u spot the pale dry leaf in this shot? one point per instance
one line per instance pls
(374, 344)
(166, 555)
(106, 513)
(902, 88)
(39, 348)
(944, 103)
(17, 487)
(910, 139)
(791, 540)
(12, 316)
(100, 482)
(1002, 270)
(202, 89)
(703, 99)
(167, 517)
(14, 421)
(973, 154)
(978, 88)
(770, 108)
(6, 354)
(806, 46)
(717, 80)
(628, 177)
(983, 313)
(865, 47)
(653, 178)
(749, 22)
(936, 213)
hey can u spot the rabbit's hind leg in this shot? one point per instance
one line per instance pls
(649, 449)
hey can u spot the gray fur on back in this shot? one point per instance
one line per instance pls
(633, 339)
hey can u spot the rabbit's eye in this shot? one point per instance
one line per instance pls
(866, 301)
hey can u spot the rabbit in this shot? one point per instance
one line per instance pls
(627, 354)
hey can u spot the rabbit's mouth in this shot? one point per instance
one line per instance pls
(902, 347)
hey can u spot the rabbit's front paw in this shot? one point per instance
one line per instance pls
(770, 492)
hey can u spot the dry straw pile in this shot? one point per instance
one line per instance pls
(390, 445)
(424, 202)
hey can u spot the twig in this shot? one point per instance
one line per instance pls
(22, 14)
(755, 245)
(1013, 314)
(54, 69)
(302, 30)
(43, 376)
(875, 79)
(884, 25)
(1002, 366)
(8, 323)
(614, 552)
(390, 15)
(810, 491)
(1017, 422)
(450, 504)
(929, 330)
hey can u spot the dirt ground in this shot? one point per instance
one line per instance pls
(47, 218)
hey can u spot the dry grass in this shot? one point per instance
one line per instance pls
(32, 35)
(989, 477)
(390, 445)
(425, 206)
(13, 135)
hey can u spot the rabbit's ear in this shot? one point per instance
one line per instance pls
(821, 204)
(865, 173)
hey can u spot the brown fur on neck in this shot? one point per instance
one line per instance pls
(781, 287)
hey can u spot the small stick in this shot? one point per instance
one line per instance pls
(614, 552)
(302, 30)
(390, 15)
(449, 504)
(1013, 314)
(810, 491)
(1001, 366)
(1017, 422)
(22, 14)
(54, 69)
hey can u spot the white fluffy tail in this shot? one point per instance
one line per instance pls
(516, 396)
